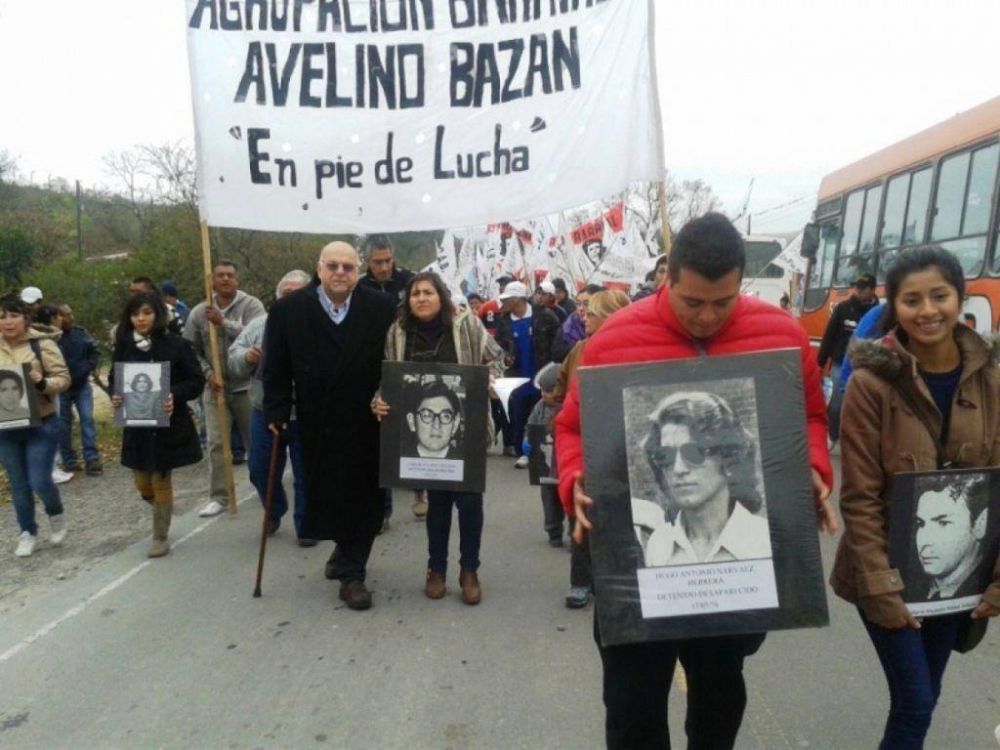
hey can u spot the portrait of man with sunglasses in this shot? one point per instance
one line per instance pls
(434, 423)
(708, 506)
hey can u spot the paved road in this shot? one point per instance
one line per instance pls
(176, 653)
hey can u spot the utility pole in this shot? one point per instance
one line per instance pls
(79, 224)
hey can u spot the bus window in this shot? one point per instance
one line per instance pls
(905, 215)
(895, 212)
(758, 260)
(963, 205)
(860, 224)
(821, 272)
(916, 212)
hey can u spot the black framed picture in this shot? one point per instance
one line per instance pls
(540, 461)
(704, 516)
(944, 532)
(435, 436)
(18, 398)
(143, 387)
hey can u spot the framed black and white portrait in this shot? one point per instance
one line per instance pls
(143, 387)
(944, 531)
(18, 398)
(704, 517)
(435, 436)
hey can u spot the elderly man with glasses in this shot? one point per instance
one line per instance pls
(323, 355)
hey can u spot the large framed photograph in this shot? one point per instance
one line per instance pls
(18, 398)
(435, 435)
(143, 387)
(704, 516)
(944, 532)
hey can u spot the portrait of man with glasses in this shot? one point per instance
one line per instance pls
(708, 505)
(433, 423)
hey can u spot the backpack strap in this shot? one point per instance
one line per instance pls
(36, 347)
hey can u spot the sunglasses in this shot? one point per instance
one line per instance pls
(693, 454)
(333, 266)
(428, 417)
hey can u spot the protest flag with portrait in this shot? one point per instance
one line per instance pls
(944, 537)
(18, 398)
(435, 436)
(704, 516)
(143, 388)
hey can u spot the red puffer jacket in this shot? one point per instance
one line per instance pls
(648, 331)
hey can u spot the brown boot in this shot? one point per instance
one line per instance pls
(161, 527)
(435, 587)
(469, 581)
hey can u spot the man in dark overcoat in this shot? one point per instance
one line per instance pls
(323, 351)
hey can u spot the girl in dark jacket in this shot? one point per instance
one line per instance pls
(152, 453)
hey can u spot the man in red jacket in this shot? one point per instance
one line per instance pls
(700, 312)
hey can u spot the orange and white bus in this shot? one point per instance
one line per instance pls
(938, 186)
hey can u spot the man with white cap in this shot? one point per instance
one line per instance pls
(527, 334)
(545, 296)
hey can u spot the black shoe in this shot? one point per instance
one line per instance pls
(239, 458)
(330, 569)
(555, 541)
(355, 595)
(94, 469)
(273, 524)
(305, 541)
(71, 467)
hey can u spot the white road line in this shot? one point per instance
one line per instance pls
(117, 583)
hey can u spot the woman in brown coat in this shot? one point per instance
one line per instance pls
(950, 374)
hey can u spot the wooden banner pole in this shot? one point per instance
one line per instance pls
(664, 221)
(220, 396)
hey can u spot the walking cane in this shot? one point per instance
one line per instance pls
(268, 501)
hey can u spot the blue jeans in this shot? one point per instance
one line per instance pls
(914, 663)
(27, 455)
(470, 527)
(83, 399)
(259, 460)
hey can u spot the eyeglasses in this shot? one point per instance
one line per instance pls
(333, 266)
(428, 417)
(693, 454)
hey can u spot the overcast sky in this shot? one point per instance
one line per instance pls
(782, 91)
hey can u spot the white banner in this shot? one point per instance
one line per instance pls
(392, 115)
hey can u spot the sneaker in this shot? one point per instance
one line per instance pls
(555, 541)
(58, 529)
(356, 595)
(59, 476)
(521, 463)
(26, 544)
(94, 469)
(213, 508)
(577, 597)
(305, 541)
(509, 451)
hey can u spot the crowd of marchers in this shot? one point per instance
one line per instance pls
(304, 378)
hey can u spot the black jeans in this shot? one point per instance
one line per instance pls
(349, 559)
(552, 511)
(637, 680)
(580, 574)
(470, 528)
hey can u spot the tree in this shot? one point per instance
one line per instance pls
(17, 251)
(8, 166)
(688, 200)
